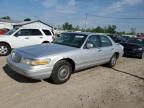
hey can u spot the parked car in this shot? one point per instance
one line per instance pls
(118, 39)
(68, 53)
(3, 31)
(20, 37)
(134, 47)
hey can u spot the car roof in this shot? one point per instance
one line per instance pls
(33, 28)
(86, 33)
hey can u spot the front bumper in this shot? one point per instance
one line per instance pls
(32, 72)
(133, 53)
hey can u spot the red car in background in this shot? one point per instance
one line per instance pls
(140, 36)
(3, 31)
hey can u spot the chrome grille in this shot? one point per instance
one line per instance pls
(16, 58)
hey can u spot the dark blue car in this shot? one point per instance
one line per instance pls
(134, 47)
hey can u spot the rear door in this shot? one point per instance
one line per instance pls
(106, 48)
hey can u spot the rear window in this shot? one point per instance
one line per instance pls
(47, 32)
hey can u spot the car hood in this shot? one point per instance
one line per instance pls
(4, 37)
(45, 50)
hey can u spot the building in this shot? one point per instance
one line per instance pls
(33, 24)
(9, 24)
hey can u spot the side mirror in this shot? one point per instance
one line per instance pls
(89, 45)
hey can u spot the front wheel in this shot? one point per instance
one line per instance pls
(61, 72)
(113, 61)
(142, 55)
(4, 49)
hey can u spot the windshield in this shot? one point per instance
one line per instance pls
(11, 31)
(136, 41)
(71, 39)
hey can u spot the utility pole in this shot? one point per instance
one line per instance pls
(86, 16)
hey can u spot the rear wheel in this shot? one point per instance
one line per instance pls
(142, 56)
(61, 72)
(113, 61)
(4, 49)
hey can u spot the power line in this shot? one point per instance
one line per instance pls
(131, 18)
(86, 15)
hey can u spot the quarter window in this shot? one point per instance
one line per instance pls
(105, 42)
(47, 32)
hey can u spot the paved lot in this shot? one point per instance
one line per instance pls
(98, 87)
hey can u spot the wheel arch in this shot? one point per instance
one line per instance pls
(117, 54)
(6, 43)
(70, 61)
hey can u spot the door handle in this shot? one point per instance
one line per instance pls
(27, 38)
(41, 37)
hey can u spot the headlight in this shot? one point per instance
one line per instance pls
(140, 49)
(35, 62)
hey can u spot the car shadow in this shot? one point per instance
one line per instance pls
(18, 77)
(136, 76)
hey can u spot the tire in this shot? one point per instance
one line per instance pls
(45, 42)
(4, 49)
(112, 61)
(142, 56)
(61, 72)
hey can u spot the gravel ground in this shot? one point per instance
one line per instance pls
(98, 87)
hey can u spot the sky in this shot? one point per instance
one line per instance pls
(57, 12)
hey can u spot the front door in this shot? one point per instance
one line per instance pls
(91, 56)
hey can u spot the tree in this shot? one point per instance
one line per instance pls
(6, 17)
(67, 26)
(27, 19)
(77, 28)
(133, 31)
(111, 29)
(99, 30)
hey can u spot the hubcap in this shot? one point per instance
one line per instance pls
(63, 72)
(3, 50)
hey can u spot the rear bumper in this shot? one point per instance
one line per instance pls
(29, 71)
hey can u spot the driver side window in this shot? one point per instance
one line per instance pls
(23, 32)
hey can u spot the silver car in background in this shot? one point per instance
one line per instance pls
(68, 53)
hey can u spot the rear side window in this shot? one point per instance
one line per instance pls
(47, 32)
(35, 32)
(105, 41)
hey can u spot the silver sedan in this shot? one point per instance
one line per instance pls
(68, 53)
